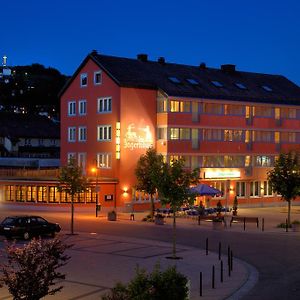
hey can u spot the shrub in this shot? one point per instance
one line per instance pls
(167, 285)
(31, 270)
(148, 218)
(283, 225)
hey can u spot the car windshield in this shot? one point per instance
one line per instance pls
(8, 221)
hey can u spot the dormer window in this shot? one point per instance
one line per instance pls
(240, 85)
(174, 79)
(267, 88)
(217, 83)
(192, 81)
(83, 79)
(97, 77)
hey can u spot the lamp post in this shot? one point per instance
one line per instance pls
(97, 189)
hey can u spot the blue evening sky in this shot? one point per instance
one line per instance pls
(256, 35)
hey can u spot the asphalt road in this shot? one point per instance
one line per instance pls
(274, 254)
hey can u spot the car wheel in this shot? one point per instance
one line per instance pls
(52, 234)
(26, 235)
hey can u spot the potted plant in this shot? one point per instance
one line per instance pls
(159, 219)
(112, 216)
(235, 206)
(296, 226)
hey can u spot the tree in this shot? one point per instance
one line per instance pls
(285, 178)
(32, 271)
(148, 167)
(72, 181)
(173, 184)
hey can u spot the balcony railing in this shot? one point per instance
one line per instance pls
(28, 173)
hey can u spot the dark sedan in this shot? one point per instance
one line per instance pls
(27, 227)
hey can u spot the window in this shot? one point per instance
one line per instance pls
(263, 161)
(192, 81)
(82, 134)
(234, 161)
(212, 108)
(97, 77)
(267, 88)
(82, 107)
(104, 160)
(262, 111)
(104, 105)
(240, 189)
(104, 133)
(267, 189)
(71, 155)
(162, 133)
(174, 79)
(162, 104)
(254, 188)
(174, 106)
(174, 133)
(27, 142)
(71, 108)
(232, 109)
(83, 79)
(217, 83)
(233, 135)
(212, 161)
(288, 137)
(180, 106)
(263, 136)
(72, 134)
(212, 134)
(288, 113)
(240, 85)
(41, 142)
(82, 160)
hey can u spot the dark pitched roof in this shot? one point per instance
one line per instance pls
(156, 75)
(28, 126)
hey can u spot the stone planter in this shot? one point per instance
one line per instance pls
(218, 225)
(112, 216)
(159, 220)
(296, 227)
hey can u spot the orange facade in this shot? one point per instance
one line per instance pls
(233, 150)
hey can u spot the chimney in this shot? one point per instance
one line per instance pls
(94, 52)
(142, 57)
(161, 60)
(202, 66)
(228, 68)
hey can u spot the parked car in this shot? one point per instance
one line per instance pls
(27, 227)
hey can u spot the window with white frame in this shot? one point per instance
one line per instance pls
(104, 105)
(82, 107)
(240, 189)
(71, 108)
(82, 134)
(104, 133)
(83, 79)
(254, 188)
(267, 189)
(72, 134)
(71, 155)
(97, 77)
(104, 160)
(82, 161)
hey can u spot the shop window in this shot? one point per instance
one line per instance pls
(267, 189)
(254, 189)
(240, 189)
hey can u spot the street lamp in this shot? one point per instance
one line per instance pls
(97, 189)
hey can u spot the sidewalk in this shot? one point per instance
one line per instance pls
(98, 261)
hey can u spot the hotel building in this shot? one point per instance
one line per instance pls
(230, 124)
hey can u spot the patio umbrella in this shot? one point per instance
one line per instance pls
(205, 190)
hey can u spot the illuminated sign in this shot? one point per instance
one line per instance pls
(138, 137)
(118, 140)
(222, 174)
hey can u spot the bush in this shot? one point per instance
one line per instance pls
(167, 285)
(283, 225)
(148, 218)
(31, 270)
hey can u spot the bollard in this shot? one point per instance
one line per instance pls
(231, 261)
(213, 277)
(199, 220)
(263, 224)
(221, 270)
(244, 224)
(219, 250)
(228, 256)
(206, 246)
(286, 225)
(200, 284)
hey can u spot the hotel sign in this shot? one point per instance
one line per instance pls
(222, 174)
(138, 137)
